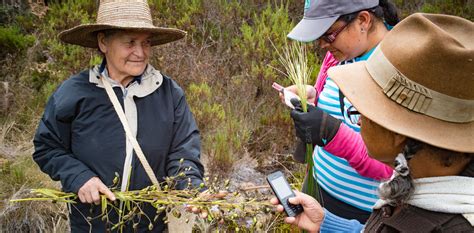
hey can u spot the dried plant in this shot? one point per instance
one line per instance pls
(32, 216)
(294, 59)
(225, 208)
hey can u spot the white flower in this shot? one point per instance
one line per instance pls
(215, 208)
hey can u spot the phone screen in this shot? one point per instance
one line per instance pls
(282, 187)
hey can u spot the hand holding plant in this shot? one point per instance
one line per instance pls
(91, 190)
(314, 126)
(310, 93)
(216, 206)
(205, 196)
(294, 60)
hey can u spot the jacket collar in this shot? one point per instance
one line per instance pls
(102, 69)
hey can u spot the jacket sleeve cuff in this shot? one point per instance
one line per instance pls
(79, 181)
(334, 223)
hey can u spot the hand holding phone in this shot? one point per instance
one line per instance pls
(287, 95)
(283, 192)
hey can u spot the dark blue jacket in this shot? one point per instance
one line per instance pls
(80, 136)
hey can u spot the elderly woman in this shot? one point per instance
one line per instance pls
(417, 104)
(80, 139)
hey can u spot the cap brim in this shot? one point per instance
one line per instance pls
(308, 30)
(368, 98)
(85, 35)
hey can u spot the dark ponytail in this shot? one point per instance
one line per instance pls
(387, 11)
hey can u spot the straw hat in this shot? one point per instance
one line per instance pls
(419, 82)
(120, 14)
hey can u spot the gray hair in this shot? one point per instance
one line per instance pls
(107, 34)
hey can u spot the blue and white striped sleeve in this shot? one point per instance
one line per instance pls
(334, 223)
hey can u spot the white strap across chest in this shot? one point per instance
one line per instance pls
(141, 156)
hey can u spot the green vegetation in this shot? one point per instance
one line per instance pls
(224, 64)
(463, 8)
(13, 41)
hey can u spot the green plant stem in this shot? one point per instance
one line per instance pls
(312, 187)
(158, 197)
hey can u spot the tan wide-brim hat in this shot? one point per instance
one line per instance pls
(120, 14)
(419, 82)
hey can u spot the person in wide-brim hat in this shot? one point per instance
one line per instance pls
(416, 102)
(123, 15)
(417, 84)
(81, 139)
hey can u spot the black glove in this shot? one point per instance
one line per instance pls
(315, 126)
(300, 152)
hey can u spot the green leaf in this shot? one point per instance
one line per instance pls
(103, 203)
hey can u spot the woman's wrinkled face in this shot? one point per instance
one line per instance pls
(127, 52)
(351, 42)
(382, 144)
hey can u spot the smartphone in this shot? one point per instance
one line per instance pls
(283, 192)
(288, 95)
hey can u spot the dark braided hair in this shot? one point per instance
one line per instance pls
(400, 188)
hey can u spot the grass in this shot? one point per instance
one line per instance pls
(33, 216)
(18, 173)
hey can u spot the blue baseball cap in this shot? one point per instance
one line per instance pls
(319, 15)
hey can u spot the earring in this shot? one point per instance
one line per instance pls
(362, 30)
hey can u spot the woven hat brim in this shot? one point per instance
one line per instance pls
(86, 35)
(368, 98)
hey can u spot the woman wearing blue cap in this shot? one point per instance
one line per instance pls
(349, 30)
(418, 117)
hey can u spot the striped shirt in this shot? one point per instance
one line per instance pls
(334, 174)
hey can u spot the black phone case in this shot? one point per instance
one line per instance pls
(290, 209)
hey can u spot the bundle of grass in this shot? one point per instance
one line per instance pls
(293, 57)
(224, 208)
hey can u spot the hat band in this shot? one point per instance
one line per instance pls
(415, 96)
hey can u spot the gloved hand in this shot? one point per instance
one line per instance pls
(315, 126)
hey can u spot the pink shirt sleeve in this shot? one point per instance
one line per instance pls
(349, 145)
(328, 62)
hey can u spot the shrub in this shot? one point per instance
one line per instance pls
(204, 107)
(224, 133)
(225, 145)
(181, 14)
(13, 41)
